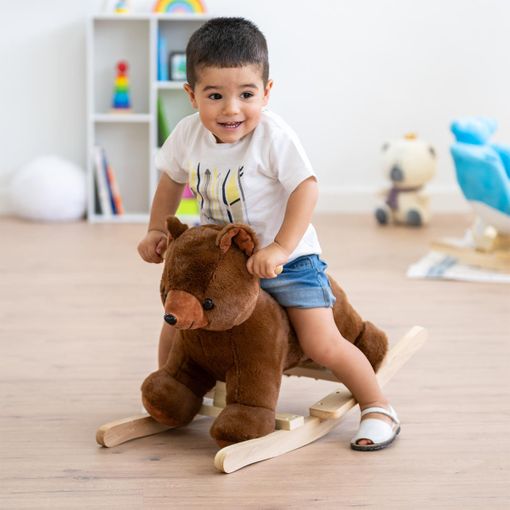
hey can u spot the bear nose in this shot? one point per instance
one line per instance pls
(171, 319)
(396, 174)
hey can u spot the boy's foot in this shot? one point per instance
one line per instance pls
(378, 429)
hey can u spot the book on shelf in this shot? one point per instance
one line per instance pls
(105, 204)
(113, 187)
(162, 58)
(163, 129)
(96, 200)
(107, 194)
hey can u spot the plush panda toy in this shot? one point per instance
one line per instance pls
(409, 163)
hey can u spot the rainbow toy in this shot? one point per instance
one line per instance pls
(179, 6)
(121, 101)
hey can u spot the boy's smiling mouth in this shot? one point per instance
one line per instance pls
(230, 125)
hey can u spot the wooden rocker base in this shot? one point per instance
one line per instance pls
(498, 259)
(292, 431)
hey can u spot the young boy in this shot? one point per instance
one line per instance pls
(246, 165)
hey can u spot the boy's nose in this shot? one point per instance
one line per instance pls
(231, 108)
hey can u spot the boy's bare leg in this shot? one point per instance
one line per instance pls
(166, 339)
(321, 341)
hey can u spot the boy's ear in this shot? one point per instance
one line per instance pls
(175, 228)
(191, 94)
(267, 91)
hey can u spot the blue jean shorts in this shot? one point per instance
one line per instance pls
(302, 284)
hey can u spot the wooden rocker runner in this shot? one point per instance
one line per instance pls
(292, 431)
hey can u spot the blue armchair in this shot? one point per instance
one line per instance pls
(483, 172)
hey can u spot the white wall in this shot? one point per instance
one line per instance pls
(348, 76)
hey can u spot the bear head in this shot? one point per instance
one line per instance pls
(205, 282)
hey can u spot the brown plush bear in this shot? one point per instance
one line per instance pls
(230, 330)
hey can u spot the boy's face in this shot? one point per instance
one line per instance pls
(229, 100)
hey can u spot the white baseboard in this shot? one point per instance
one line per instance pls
(5, 207)
(351, 200)
(363, 200)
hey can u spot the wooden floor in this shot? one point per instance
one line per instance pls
(79, 320)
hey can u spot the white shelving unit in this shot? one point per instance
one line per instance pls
(130, 139)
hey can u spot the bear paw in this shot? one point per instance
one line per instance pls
(238, 422)
(168, 401)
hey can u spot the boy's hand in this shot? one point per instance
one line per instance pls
(266, 262)
(153, 246)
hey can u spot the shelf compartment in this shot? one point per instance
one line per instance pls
(127, 150)
(176, 105)
(114, 41)
(175, 36)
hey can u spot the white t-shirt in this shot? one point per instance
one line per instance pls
(248, 181)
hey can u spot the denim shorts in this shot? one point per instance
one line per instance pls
(302, 284)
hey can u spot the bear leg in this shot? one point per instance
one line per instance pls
(238, 422)
(414, 218)
(169, 401)
(382, 216)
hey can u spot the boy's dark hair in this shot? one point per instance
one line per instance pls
(226, 42)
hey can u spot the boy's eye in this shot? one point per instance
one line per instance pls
(215, 96)
(246, 95)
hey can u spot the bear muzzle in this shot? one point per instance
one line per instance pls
(184, 311)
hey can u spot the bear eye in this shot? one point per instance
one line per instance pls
(208, 304)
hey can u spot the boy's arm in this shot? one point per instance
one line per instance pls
(298, 215)
(165, 203)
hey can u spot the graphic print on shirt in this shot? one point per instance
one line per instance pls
(220, 194)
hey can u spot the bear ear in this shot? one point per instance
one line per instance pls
(241, 235)
(175, 227)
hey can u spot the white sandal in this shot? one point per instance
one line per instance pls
(381, 434)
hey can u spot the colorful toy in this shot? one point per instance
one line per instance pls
(179, 6)
(189, 205)
(229, 330)
(483, 174)
(122, 7)
(121, 98)
(409, 163)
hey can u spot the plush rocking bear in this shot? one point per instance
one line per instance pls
(230, 330)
